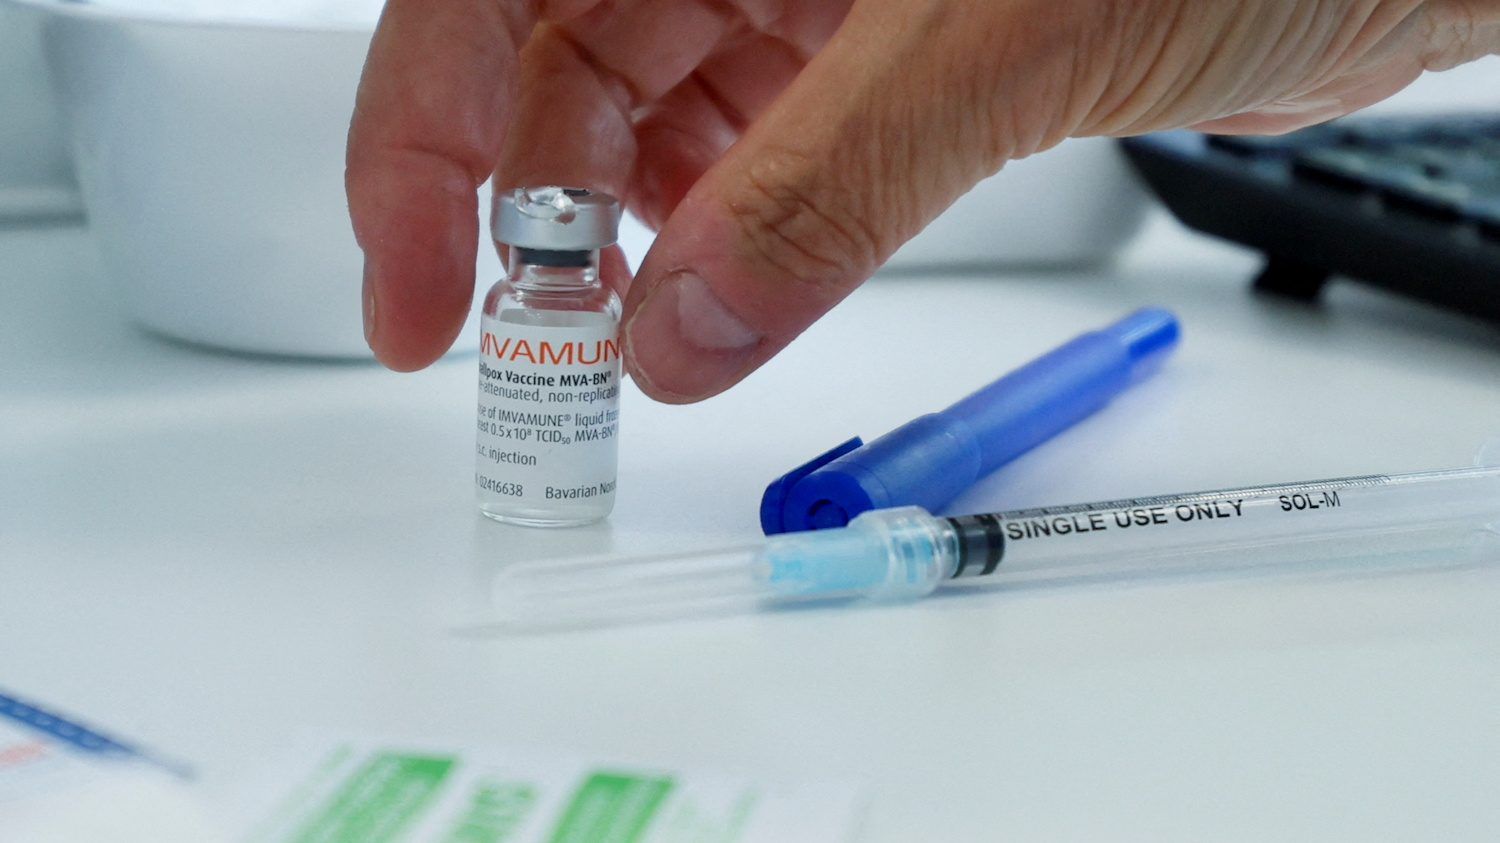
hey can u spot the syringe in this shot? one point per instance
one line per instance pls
(907, 553)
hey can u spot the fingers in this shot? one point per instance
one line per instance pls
(684, 134)
(582, 79)
(572, 124)
(855, 157)
(439, 91)
(427, 129)
(1461, 31)
(1434, 36)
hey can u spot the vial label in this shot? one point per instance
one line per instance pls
(549, 407)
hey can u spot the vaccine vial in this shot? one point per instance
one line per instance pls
(549, 363)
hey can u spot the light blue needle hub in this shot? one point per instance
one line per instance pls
(888, 554)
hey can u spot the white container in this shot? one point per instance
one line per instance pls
(211, 158)
(36, 177)
(1076, 204)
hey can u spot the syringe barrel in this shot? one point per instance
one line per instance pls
(1370, 516)
(907, 553)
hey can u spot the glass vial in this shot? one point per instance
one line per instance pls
(549, 363)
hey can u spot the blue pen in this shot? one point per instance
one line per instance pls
(928, 461)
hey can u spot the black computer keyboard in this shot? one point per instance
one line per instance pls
(1411, 205)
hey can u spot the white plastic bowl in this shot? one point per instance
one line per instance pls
(211, 158)
(1075, 205)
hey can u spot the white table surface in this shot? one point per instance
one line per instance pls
(218, 556)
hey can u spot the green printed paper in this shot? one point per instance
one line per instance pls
(494, 813)
(375, 793)
(379, 802)
(611, 808)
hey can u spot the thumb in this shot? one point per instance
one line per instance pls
(874, 138)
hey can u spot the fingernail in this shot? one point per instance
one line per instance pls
(369, 309)
(684, 343)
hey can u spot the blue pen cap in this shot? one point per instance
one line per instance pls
(932, 459)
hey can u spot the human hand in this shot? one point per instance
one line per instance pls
(785, 149)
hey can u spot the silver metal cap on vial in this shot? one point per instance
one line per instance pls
(562, 219)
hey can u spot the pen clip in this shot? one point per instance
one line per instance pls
(773, 502)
